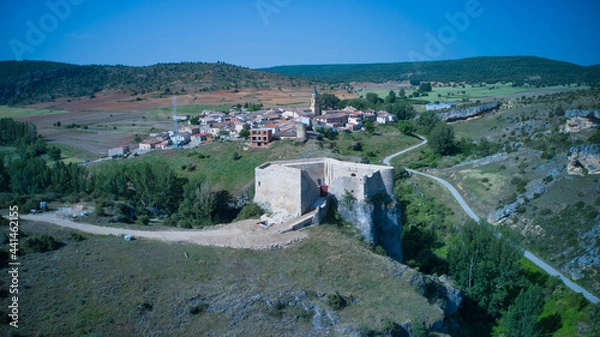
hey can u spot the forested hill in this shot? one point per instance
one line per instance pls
(35, 81)
(516, 69)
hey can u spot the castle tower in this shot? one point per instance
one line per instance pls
(314, 102)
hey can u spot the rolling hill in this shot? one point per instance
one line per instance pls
(26, 82)
(516, 69)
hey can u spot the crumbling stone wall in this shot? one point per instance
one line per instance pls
(294, 187)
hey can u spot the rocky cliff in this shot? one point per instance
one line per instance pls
(578, 120)
(584, 159)
(460, 114)
(379, 223)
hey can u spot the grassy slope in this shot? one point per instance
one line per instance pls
(95, 286)
(15, 113)
(220, 168)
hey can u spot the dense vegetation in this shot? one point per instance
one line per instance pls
(34, 81)
(504, 295)
(127, 191)
(517, 69)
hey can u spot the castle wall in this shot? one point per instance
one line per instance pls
(293, 186)
(279, 187)
(310, 192)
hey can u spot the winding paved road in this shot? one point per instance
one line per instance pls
(537, 261)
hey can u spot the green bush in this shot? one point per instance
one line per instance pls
(198, 309)
(76, 236)
(143, 220)
(250, 211)
(336, 301)
(40, 244)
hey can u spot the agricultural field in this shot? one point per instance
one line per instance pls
(472, 92)
(16, 113)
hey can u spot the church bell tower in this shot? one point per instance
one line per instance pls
(314, 102)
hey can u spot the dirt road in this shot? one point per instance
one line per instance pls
(241, 234)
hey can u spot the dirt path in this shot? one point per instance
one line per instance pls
(241, 234)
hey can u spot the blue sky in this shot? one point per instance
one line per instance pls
(262, 33)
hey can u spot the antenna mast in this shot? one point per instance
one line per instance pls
(175, 139)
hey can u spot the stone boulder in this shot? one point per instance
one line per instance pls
(584, 158)
(578, 120)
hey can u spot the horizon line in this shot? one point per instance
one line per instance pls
(299, 65)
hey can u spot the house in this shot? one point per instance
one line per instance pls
(439, 106)
(191, 129)
(181, 118)
(338, 117)
(200, 137)
(118, 151)
(385, 117)
(239, 126)
(261, 137)
(182, 138)
(150, 143)
(162, 145)
(355, 119)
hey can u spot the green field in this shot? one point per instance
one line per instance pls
(454, 94)
(15, 113)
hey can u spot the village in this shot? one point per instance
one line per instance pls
(260, 127)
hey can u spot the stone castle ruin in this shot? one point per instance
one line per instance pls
(363, 194)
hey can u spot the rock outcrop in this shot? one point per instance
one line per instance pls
(578, 120)
(455, 115)
(584, 159)
(590, 256)
(379, 223)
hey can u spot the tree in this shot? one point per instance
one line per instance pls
(369, 127)
(195, 120)
(402, 110)
(54, 153)
(441, 139)
(425, 87)
(406, 127)
(402, 93)
(427, 120)
(328, 101)
(484, 265)
(391, 97)
(521, 317)
(4, 177)
(199, 203)
(244, 133)
(373, 99)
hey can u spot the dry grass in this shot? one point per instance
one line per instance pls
(102, 284)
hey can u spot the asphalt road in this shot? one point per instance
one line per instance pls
(537, 261)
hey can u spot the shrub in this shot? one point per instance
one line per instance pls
(198, 309)
(336, 301)
(99, 205)
(143, 220)
(250, 211)
(76, 236)
(40, 244)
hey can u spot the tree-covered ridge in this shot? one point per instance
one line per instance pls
(35, 81)
(516, 69)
